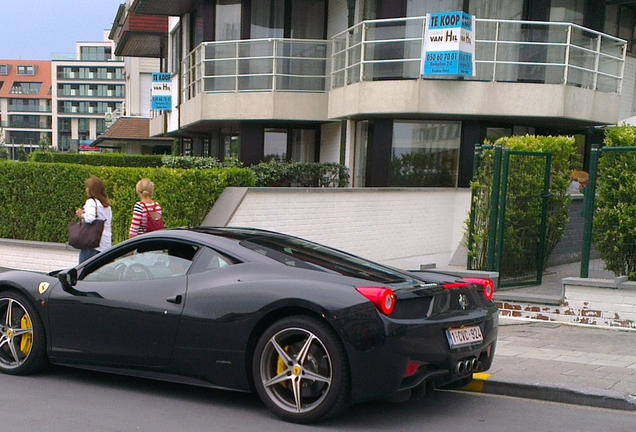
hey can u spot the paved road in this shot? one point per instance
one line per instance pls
(68, 400)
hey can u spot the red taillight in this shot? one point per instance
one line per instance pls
(382, 298)
(488, 284)
(455, 285)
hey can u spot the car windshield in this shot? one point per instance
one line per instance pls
(300, 253)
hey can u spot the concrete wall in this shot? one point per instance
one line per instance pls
(401, 227)
(36, 256)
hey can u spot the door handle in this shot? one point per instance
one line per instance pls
(175, 299)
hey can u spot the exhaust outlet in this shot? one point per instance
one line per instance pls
(469, 366)
(460, 368)
(475, 364)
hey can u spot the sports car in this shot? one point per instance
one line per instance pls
(310, 328)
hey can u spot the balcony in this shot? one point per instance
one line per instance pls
(505, 51)
(296, 65)
(139, 35)
(256, 79)
(545, 70)
(29, 108)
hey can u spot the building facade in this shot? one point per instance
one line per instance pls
(341, 80)
(88, 90)
(25, 105)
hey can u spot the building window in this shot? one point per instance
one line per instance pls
(425, 154)
(26, 70)
(285, 145)
(275, 145)
(4, 69)
(25, 88)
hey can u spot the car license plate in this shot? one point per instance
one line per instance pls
(464, 336)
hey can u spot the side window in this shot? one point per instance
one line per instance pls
(210, 259)
(148, 261)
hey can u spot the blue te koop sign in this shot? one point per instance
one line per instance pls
(161, 91)
(448, 44)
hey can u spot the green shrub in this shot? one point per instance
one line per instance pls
(523, 208)
(299, 174)
(614, 232)
(97, 159)
(38, 200)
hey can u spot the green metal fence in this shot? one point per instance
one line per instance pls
(512, 239)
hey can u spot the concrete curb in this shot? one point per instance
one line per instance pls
(553, 392)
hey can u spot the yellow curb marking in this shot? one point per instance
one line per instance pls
(477, 384)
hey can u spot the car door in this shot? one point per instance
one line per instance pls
(125, 307)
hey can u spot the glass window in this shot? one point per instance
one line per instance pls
(26, 88)
(308, 19)
(228, 20)
(303, 145)
(268, 19)
(425, 154)
(4, 69)
(26, 70)
(571, 11)
(497, 9)
(417, 8)
(275, 145)
(360, 161)
(156, 260)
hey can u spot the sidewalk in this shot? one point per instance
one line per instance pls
(559, 362)
(563, 363)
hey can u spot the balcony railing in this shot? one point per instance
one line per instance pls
(256, 65)
(505, 51)
(29, 108)
(24, 125)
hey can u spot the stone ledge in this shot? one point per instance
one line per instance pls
(37, 244)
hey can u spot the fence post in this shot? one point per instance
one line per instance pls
(588, 211)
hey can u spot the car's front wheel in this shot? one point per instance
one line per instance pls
(22, 339)
(301, 371)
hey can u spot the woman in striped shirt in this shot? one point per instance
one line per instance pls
(145, 189)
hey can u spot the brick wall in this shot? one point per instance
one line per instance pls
(591, 302)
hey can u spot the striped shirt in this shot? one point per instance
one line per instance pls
(140, 218)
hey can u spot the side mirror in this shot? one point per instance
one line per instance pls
(68, 277)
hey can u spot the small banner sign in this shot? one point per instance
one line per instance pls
(449, 45)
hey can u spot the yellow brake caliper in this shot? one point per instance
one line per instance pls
(27, 339)
(281, 366)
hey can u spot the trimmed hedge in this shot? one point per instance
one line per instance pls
(614, 232)
(97, 159)
(268, 174)
(38, 200)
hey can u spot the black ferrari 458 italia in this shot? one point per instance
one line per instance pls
(311, 329)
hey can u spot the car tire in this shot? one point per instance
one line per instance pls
(300, 370)
(22, 337)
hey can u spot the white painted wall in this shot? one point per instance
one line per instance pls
(401, 227)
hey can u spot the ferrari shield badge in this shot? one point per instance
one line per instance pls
(43, 287)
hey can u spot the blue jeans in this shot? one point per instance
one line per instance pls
(86, 254)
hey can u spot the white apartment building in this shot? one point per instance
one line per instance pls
(341, 80)
(87, 88)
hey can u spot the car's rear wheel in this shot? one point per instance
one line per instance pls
(301, 371)
(22, 339)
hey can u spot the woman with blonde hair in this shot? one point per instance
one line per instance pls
(97, 206)
(146, 208)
